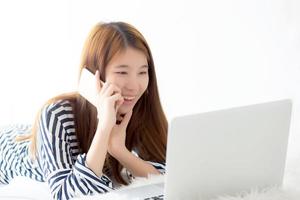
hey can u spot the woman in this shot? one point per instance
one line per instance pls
(81, 148)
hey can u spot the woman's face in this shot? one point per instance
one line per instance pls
(128, 70)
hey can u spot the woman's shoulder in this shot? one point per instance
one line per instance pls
(58, 108)
(58, 114)
(59, 105)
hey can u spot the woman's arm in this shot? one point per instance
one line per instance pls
(66, 177)
(95, 157)
(116, 148)
(135, 165)
(107, 100)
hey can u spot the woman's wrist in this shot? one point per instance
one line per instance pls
(118, 152)
(102, 129)
(97, 152)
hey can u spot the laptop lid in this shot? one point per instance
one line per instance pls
(227, 151)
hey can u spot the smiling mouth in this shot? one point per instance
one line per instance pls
(128, 99)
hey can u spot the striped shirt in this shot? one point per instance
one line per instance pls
(59, 160)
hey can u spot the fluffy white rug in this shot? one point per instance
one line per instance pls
(283, 193)
(289, 191)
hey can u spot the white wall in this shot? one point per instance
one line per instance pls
(34, 56)
(208, 54)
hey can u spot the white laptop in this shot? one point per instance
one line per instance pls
(223, 153)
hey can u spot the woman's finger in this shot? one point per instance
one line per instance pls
(114, 98)
(111, 90)
(126, 119)
(119, 103)
(104, 88)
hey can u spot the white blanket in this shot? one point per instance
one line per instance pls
(26, 189)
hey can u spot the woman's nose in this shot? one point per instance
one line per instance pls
(132, 84)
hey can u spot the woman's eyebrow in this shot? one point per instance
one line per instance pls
(122, 66)
(127, 66)
(144, 66)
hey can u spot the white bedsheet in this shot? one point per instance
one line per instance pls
(26, 189)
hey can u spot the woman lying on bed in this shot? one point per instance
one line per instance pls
(82, 148)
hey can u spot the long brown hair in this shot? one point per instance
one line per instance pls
(147, 130)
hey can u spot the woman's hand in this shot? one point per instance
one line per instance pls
(118, 135)
(108, 100)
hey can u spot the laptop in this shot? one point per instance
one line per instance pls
(223, 152)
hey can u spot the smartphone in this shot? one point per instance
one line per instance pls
(87, 86)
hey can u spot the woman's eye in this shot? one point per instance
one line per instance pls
(121, 73)
(143, 73)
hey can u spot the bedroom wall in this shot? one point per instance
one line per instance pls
(208, 54)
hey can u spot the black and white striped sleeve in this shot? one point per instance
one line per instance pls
(67, 178)
(161, 167)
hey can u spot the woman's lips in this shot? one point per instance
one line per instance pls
(128, 100)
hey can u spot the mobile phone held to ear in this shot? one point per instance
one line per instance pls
(87, 86)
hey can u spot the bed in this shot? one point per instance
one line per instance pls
(26, 189)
